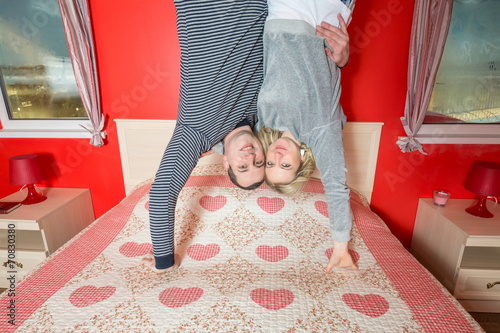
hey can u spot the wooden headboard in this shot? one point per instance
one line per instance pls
(143, 141)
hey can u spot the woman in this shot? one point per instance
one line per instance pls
(300, 99)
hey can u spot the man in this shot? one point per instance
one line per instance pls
(221, 73)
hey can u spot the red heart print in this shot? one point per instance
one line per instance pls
(146, 205)
(322, 207)
(370, 305)
(354, 254)
(213, 203)
(88, 295)
(271, 205)
(177, 297)
(200, 252)
(133, 249)
(272, 299)
(272, 253)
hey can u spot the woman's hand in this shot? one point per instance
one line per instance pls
(337, 39)
(340, 257)
(206, 153)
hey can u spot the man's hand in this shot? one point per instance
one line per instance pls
(340, 257)
(337, 39)
(149, 261)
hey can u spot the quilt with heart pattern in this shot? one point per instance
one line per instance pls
(250, 261)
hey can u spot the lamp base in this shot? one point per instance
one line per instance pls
(33, 196)
(479, 208)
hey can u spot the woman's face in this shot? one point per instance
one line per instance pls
(282, 161)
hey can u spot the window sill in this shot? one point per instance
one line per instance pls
(56, 134)
(459, 134)
(44, 128)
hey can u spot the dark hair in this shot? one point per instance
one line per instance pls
(232, 176)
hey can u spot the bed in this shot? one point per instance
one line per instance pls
(251, 261)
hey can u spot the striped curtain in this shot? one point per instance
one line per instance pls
(431, 20)
(78, 29)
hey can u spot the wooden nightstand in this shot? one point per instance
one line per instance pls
(462, 251)
(40, 229)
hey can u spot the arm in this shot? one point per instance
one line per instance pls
(337, 39)
(328, 139)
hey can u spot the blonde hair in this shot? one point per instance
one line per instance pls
(267, 136)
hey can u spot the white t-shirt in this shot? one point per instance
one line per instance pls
(311, 11)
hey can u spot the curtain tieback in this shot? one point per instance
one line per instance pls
(407, 144)
(97, 134)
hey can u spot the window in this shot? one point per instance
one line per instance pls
(39, 96)
(466, 95)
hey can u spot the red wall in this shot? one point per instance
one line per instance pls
(138, 53)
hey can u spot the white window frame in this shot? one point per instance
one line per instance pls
(43, 128)
(459, 133)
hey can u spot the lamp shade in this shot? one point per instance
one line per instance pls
(25, 169)
(484, 179)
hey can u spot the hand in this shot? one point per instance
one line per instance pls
(340, 257)
(206, 153)
(149, 261)
(337, 39)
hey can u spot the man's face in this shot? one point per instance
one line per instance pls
(282, 161)
(243, 152)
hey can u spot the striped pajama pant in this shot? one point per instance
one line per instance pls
(221, 73)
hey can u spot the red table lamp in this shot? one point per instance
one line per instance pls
(484, 180)
(25, 170)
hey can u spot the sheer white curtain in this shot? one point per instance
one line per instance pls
(431, 20)
(80, 37)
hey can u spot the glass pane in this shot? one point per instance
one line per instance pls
(36, 76)
(467, 88)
